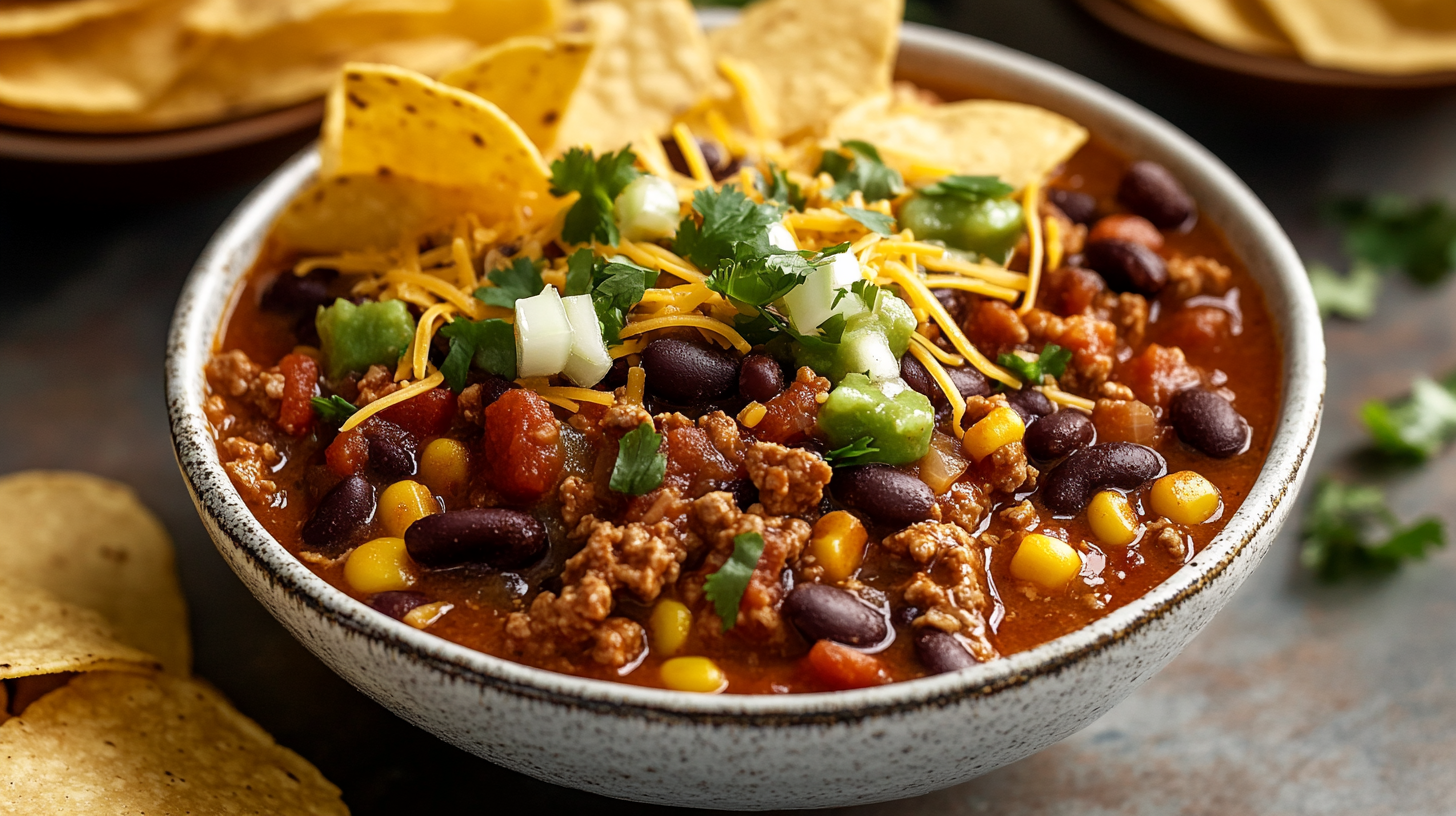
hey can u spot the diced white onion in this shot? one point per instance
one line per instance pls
(589, 361)
(868, 352)
(811, 303)
(779, 236)
(647, 209)
(543, 335)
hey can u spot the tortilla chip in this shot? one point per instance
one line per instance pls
(110, 744)
(1242, 25)
(41, 634)
(814, 57)
(531, 79)
(1374, 36)
(249, 18)
(651, 62)
(89, 542)
(367, 212)
(35, 17)
(982, 137)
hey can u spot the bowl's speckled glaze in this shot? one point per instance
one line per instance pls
(792, 751)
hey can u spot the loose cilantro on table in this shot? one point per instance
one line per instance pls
(1418, 427)
(1350, 296)
(873, 221)
(522, 279)
(969, 188)
(729, 218)
(641, 464)
(598, 179)
(862, 169)
(1392, 231)
(725, 587)
(488, 344)
(1052, 360)
(777, 187)
(334, 410)
(851, 454)
(1349, 530)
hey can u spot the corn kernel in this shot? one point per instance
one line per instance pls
(636, 384)
(445, 466)
(1046, 561)
(1000, 427)
(381, 565)
(671, 622)
(425, 615)
(404, 503)
(697, 674)
(1184, 497)
(838, 544)
(1112, 519)
(752, 414)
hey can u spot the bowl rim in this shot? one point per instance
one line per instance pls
(193, 336)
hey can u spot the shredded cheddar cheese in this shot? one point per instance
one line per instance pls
(692, 321)
(626, 349)
(652, 256)
(936, 351)
(745, 85)
(976, 285)
(442, 289)
(986, 272)
(408, 392)
(1033, 235)
(692, 153)
(942, 379)
(1054, 246)
(571, 394)
(1071, 400)
(430, 322)
(636, 384)
(919, 295)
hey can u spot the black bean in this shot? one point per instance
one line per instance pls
(341, 515)
(1151, 191)
(890, 497)
(688, 374)
(617, 374)
(1128, 267)
(1079, 207)
(1073, 483)
(393, 451)
(720, 162)
(1030, 403)
(298, 293)
(915, 375)
(760, 378)
(942, 652)
(397, 604)
(822, 612)
(745, 493)
(954, 301)
(1058, 435)
(493, 387)
(969, 381)
(492, 536)
(1207, 422)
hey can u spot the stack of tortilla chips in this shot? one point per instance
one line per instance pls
(1367, 36)
(144, 65)
(98, 714)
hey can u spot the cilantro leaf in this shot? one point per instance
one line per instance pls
(969, 188)
(777, 187)
(619, 287)
(598, 179)
(852, 453)
(579, 268)
(1418, 427)
(522, 279)
(641, 464)
(1052, 360)
(334, 410)
(758, 274)
(725, 587)
(873, 221)
(1391, 231)
(729, 218)
(488, 344)
(1350, 296)
(862, 170)
(1350, 530)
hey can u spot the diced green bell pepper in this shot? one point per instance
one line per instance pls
(989, 227)
(356, 337)
(898, 426)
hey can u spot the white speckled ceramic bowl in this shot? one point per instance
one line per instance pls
(794, 751)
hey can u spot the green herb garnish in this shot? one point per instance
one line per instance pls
(1350, 296)
(729, 218)
(1349, 530)
(599, 179)
(489, 345)
(1418, 427)
(777, 187)
(969, 188)
(616, 288)
(1392, 231)
(579, 269)
(873, 221)
(522, 279)
(334, 410)
(725, 587)
(852, 453)
(640, 462)
(1052, 360)
(860, 167)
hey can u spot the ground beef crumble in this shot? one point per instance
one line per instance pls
(377, 383)
(790, 481)
(1198, 275)
(950, 588)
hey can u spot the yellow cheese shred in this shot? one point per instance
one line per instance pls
(627, 348)
(652, 256)
(574, 394)
(1071, 400)
(976, 285)
(692, 321)
(821, 220)
(1054, 248)
(919, 295)
(408, 392)
(692, 154)
(430, 322)
(1033, 235)
(745, 84)
(936, 351)
(464, 268)
(442, 289)
(651, 156)
(636, 384)
(562, 402)
(984, 271)
(942, 379)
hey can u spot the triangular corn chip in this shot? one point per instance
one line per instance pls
(367, 212)
(41, 634)
(531, 79)
(1375, 36)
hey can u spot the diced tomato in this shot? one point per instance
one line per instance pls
(791, 415)
(1157, 373)
(348, 453)
(694, 466)
(429, 414)
(840, 667)
(522, 443)
(300, 385)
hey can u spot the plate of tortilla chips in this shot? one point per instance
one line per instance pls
(1338, 43)
(99, 713)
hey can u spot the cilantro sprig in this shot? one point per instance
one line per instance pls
(729, 218)
(489, 345)
(1351, 531)
(1052, 360)
(1349, 296)
(522, 279)
(1393, 231)
(871, 220)
(598, 179)
(1415, 428)
(968, 188)
(641, 464)
(778, 188)
(725, 587)
(853, 453)
(334, 410)
(858, 166)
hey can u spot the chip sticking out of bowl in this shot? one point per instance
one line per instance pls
(90, 542)
(1243, 25)
(41, 634)
(531, 79)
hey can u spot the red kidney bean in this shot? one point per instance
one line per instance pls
(1208, 423)
(393, 451)
(969, 381)
(1079, 207)
(397, 604)
(341, 515)
(890, 497)
(492, 536)
(942, 652)
(760, 378)
(1058, 435)
(688, 374)
(1127, 267)
(915, 375)
(1030, 403)
(1069, 486)
(298, 293)
(1151, 191)
(1124, 227)
(822, 612)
